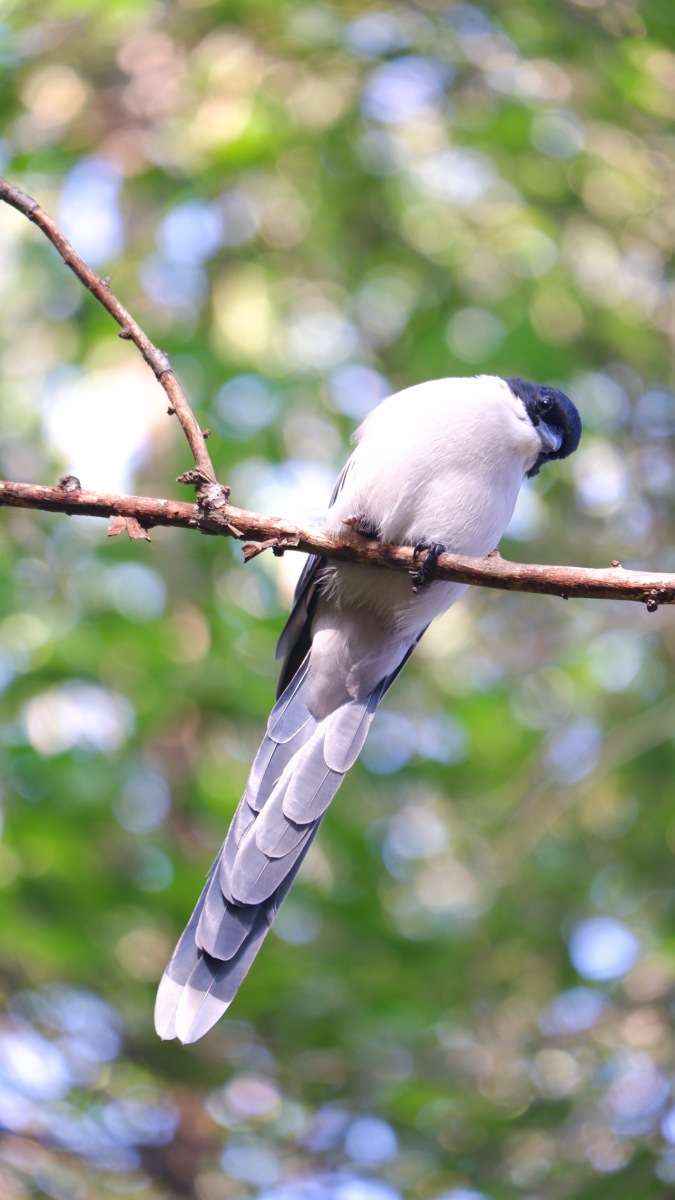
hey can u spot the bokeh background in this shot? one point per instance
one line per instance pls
(470, 993)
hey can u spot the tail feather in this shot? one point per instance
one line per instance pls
(347, 729)
(212, 984)
(210, 990)
(223, 927)
(241, 822)
(270, 762)
(284, 753)
(303, 806)
(277, 836)
(256, 876)
(261, 770)
(297, 771)
(290, 713)
(260, 788)
(312, 783)
(183, 962)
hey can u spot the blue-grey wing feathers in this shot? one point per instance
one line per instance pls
(297, 771)
(295, 639)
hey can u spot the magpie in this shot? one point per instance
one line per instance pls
(437, 466)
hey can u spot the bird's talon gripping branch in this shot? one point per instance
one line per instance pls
(423, 576)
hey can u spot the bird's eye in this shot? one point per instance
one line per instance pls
(545, 403)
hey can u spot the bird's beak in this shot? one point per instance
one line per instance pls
(550, 438)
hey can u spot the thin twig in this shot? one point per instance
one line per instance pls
(611, 583)
(130, 331)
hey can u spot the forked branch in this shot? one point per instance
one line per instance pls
(130, 330)
(212, 514)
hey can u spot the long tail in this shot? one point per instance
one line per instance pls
(297, 771)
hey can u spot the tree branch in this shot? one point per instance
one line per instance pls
(213, 515)
(130, 331)
(612, 583)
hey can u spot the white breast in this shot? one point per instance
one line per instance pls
(444, 461)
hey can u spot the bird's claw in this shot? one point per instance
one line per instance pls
(423, 576)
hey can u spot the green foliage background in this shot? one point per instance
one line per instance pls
(282, 191)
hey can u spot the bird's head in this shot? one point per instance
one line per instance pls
(554, 417)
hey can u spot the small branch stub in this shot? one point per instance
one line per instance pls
(134, 529)
(277, 545)
(194, 478)
(70, 483)
(250, 550)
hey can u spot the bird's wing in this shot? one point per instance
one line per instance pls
(296, 635)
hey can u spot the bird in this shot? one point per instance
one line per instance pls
(436, 466)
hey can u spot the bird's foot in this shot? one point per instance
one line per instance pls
(423, 576)
(362, 525)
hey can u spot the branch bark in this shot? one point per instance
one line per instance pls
(220, 518)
